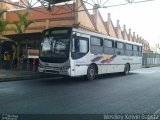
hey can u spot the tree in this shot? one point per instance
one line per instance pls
(23, 23)
(21, 26)
(3, 23)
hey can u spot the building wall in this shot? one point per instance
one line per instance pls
(42, 18)
(6, 6)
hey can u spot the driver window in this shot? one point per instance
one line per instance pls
(80, 46)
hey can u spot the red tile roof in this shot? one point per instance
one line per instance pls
(59, 12)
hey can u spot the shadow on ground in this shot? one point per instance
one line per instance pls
(79, 80)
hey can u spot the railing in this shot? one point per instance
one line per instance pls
(151, 60)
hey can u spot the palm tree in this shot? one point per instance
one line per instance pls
(23, 23)
(3, 23)
(21, 26)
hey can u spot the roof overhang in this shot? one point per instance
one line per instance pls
(2, 38)
(56, 1)
(25, 36)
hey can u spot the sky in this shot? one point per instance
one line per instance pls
(142, 18)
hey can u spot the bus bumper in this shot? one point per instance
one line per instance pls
(60, 72)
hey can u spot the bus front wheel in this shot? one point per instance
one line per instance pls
(91, 73)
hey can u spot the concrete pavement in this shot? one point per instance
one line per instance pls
(11, 75)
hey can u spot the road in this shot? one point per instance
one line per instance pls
(139, 92)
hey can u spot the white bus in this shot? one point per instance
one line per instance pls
(75, 52)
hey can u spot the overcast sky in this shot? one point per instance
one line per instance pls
(142, 18)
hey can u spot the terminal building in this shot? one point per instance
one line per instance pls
(63, 15)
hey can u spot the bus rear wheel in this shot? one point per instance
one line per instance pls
(126, 69)
(91, 73)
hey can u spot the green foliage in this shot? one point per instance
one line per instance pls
(23, 23)
(18, 27)
(2, 12)
(3, 23)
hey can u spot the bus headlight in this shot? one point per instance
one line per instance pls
(40, 65)
(65, 67)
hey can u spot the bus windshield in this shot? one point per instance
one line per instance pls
(54, 47)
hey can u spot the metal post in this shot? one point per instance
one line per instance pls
(27, 54)
(34, 63)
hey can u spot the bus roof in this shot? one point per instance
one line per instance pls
(87, 32)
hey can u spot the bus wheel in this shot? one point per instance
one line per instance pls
(126, 69)
(91, 72)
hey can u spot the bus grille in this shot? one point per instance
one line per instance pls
(52, 71)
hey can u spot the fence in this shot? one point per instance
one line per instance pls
(151, 59)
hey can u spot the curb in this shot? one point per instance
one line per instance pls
(27, 77)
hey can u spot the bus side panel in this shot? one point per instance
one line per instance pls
(110, 68)
(136, 63)
(135, 66)
(81, 70)
(79, 67)
(118, 63)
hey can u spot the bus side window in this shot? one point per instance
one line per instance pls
(76, 46)
(96, 45)
(80, 47)
(128, 49)
(140, 51)
(135, 50)
(119, 48)
(108, 46)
